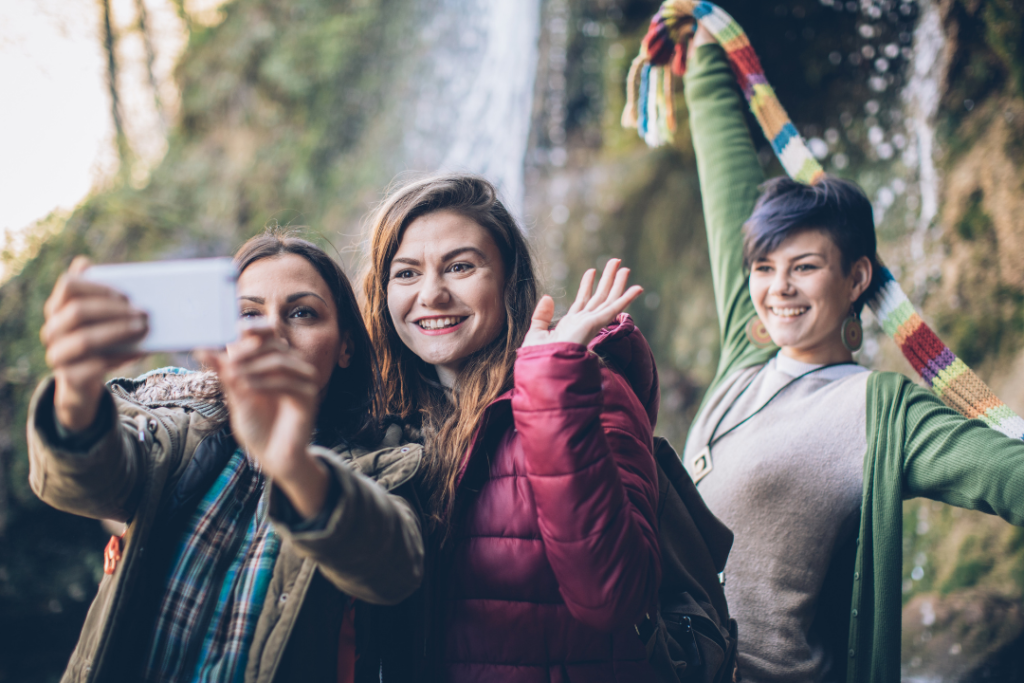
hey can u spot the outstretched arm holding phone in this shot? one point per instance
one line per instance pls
(83, 321)
(272, 393)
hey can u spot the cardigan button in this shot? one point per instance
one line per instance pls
(152, 425)
(854, 614)
(284, 598)
(852, 654)
(856, 576)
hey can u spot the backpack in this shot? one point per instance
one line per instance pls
(690, 638)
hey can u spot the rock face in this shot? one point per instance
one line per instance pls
(301, 112)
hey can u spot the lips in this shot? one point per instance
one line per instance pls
(788, 311)
(440, 323)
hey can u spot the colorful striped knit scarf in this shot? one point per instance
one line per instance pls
(649, 110)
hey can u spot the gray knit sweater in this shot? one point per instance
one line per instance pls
(793, 503)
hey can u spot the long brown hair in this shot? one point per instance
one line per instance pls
(349, 413)
(449, 418)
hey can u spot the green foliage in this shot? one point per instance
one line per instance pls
(971, 567)
(994, 320)
(1005, 33)
(975, 223)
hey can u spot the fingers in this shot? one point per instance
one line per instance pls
(269, 368)
(586, 287)
(611, 287)
(70, 287)
(619, 285)
(96, 341)
(545, 312)
(254, 342)
(622, 302)
(210, 359)
(79, 265)
(605, 285)
(85, 312)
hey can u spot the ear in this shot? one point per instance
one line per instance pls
(860, 277)
(345, 351)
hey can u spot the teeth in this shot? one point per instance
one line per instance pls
(439, 323)
(789, 312)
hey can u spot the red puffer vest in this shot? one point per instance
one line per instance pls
(554, 552)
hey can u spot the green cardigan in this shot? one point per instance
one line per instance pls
(917, 446)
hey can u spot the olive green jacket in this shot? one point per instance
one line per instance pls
(370, 547)
(916, 445)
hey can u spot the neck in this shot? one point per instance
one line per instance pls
(446, 375)
(819, 356)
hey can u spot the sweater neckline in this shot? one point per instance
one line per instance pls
(795, 368)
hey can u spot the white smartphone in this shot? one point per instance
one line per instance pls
(191, 303)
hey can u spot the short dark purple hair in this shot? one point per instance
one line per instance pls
(837, 207)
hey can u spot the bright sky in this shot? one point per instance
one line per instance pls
(55, 129)
(56, 134)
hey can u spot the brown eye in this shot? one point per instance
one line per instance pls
(303, 312)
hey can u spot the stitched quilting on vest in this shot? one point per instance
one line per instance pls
(218, 582)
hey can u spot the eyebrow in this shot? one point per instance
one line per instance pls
(795, 258)
(300, 295)
(447, 257)
(288, 300)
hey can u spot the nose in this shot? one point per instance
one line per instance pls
(781, 285)
(280, 327)
(434, 292)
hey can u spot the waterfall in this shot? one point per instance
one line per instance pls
(473, 90)
(921, 97)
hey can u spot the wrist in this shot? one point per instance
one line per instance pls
(76, 407)
(304, 482)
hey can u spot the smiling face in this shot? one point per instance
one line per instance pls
(803, 296)
(446, 290)
(287, 293)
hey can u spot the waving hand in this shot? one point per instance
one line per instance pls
(591, 310)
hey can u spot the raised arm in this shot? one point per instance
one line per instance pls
(588, 448)
(729, 178)
(590, 457)
(86, 456)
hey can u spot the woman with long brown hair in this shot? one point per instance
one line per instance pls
(259, 499)
(539, 474)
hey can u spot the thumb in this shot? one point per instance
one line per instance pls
(543, 314)
(209, 359)
(79, 265)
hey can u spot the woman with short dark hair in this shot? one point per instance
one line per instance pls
(259, 499)
(802, 452)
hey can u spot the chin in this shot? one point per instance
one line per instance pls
(438, 355)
